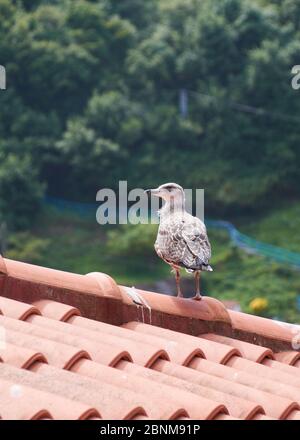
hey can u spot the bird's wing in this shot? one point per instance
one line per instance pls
(195, 237)
(184, 241)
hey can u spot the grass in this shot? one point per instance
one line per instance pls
(280, 227)
(243, 277)
(68, 242)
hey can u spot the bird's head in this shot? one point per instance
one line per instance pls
(167, 191)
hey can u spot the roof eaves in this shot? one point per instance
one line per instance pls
(99, 297)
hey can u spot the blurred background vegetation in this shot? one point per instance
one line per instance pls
(93, 97)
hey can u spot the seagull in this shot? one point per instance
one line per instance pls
(182, 240)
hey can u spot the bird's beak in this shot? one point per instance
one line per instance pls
(152, 191)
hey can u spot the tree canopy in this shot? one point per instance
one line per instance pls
(93, 98)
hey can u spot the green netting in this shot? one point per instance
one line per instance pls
(254, 246)
(248, 244)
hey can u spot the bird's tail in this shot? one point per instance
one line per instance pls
(207, 267)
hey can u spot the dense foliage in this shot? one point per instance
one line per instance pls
(93, 89)
(93, 97)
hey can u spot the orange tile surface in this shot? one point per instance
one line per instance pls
(99, 354)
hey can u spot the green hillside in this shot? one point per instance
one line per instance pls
(68, 242)
(198, 92)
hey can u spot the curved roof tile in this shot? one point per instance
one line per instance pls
(17, 309)
(20, 357)
(249, 351)
(55, 310)
(176, 352)
(141, 353)
(263, 371)
(287, 357)
(82, 347)
(114, 402)
(214, 351)
(18, 394)
(198, 407)
(238, 407)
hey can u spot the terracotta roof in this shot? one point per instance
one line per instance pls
(82, 347)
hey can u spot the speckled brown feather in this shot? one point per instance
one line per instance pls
(182, 241)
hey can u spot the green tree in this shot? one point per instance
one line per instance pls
(20, 192)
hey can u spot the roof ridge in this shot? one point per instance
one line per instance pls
(3, 270)
(99, 297)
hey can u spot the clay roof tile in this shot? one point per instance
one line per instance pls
(287, 357)
(238, 407)
(219, 380)
(17, 309)
(141, 353)
(55, 310)
(214, 351)
(114, 402)
(20, 356)
(106, 351)
(198, 407)
(18, 393)
(176, 351)
(249, 351)
(264, 371)
(58, 354)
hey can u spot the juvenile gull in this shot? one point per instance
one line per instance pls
(182, 240)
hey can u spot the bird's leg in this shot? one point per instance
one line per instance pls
(197, 284)
(177, 277)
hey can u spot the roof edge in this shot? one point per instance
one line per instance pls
(208, 309)
(278, 336)
(96, 295)
(3, 270)
(2, 265)
(99, 297)
(179, 314)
